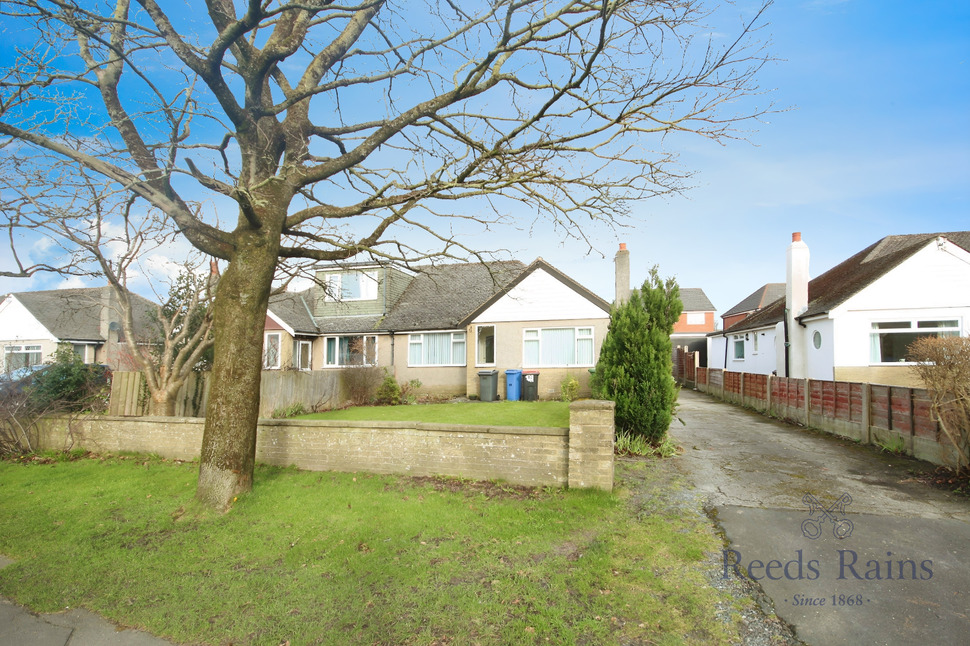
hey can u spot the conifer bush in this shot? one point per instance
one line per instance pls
(635, 367)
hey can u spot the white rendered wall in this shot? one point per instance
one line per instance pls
(541, 297)
(760, 361)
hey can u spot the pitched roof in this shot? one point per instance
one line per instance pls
(441, 297)
(75, 314)
(293, 308)
(851, 276)
(695, 300)
(764, 295)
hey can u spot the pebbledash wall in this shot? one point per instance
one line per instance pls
(867, 413)
(580, 456)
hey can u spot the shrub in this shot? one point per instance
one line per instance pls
(68, 383)
(409, 391)
(568, 388)
(389, 392)
(635, 367)
(943, 364)
(361, 383)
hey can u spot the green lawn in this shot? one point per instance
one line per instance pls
(335, 558)
(500, 413)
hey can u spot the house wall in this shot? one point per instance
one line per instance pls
(819, 362)
(539, 301)
(286, 343)
(509, 339)
(683, 327)
(19, 327)
(578, 456)
(760, 361)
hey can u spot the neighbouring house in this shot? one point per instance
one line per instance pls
(695, 323)
(34, 324)
(855, 321)
(756, 301)
(441, 324)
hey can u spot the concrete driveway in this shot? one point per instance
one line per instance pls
(847, 545)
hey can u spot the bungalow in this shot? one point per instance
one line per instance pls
(855, 321)
(34, 324)
(441, 324)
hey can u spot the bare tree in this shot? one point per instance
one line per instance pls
(343, 129)
(104, 232)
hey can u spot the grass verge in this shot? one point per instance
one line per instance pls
(500, 413)
(330, 558)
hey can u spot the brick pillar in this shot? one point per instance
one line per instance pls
(591, 444)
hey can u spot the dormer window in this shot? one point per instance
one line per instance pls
(352, 286)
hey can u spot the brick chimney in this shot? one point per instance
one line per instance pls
(622, 262)
(796, 303)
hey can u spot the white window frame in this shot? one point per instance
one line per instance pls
(23, 349)
(337, 355)
(367, 279)
(738, 343)
(458, 340)
(696, 318)
(532, 342)
(915, 327)
(298, 345)
(267, 364)
(479, 362)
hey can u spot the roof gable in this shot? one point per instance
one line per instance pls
(541, 292)
(19, 323)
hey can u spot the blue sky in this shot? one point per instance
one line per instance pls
(873, 139)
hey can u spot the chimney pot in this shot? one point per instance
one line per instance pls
(796, 237)
(622, 246)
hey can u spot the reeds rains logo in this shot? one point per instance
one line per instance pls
(813, 525)
(845, 564)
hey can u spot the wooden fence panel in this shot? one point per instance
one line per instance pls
(278, 389)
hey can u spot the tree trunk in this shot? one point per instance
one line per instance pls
(239, 316)
(161, 408)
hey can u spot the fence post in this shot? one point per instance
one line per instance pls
(808, 401)
(768, 393)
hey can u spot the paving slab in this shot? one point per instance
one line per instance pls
(847, 544)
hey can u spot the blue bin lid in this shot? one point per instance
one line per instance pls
(513, 371)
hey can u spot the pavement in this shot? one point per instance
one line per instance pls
(74, 627)
(845, 542)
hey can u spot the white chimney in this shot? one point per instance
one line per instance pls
(796, 303)
(622, 262)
